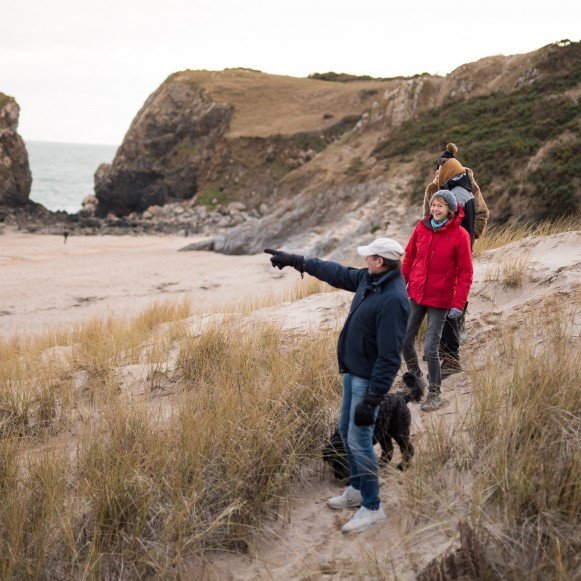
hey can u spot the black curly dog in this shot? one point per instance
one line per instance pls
(393, 422)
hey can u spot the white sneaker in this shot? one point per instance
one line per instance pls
(363, 519)
(349, 499)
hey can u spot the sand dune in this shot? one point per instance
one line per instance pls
(308, 542)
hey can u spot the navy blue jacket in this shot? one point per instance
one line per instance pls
(371, 341)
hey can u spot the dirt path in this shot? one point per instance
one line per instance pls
(308, 543)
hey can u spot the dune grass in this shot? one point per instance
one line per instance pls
(510, 271)
(510, 466)
(95, 483)
(499, 235)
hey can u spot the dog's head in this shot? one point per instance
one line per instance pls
(415, 385)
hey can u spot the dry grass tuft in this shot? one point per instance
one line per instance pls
(512, 272)
(526, 429)
(497, 236)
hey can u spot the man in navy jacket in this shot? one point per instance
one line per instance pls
(369, 353)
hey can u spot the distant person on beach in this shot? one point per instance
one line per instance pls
(437, 268)
(369, 353)
(453, 176)
(65, 236)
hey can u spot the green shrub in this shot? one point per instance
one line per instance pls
(209, 194)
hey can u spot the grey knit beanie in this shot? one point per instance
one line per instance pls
(448, 197)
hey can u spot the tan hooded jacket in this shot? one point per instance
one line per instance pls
(480, 208)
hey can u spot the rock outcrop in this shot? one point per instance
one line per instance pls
(171, 140)
(15, 177)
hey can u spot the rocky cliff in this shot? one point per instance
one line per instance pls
(321, 164)
(15, 177)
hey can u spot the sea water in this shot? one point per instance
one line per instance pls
(62, 173)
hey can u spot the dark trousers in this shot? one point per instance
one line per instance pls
(450, 342)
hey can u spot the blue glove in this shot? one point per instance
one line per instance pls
(454, 313)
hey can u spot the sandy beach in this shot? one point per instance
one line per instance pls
(46, 283)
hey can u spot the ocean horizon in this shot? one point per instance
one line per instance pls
(62, 173)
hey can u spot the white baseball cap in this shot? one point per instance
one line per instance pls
(385, 247)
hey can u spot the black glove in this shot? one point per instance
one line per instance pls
(365, 410)
(281, 259)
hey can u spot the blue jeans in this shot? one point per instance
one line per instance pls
(358, 442)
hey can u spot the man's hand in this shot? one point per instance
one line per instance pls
(454, 313)
(365, 411)
(281, 259)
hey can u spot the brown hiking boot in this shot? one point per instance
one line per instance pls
(433, 402)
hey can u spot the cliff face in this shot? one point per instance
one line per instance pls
(15, 177)
(168, 144)
(334, 162)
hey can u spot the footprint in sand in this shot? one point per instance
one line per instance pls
(209, 285)
(164, 285)
(84, 300)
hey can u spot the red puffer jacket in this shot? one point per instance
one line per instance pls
(437, 265)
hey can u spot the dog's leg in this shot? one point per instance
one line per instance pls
(334, 454)
(407, 450)
(386, 444)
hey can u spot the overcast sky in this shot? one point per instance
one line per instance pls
(81, 69)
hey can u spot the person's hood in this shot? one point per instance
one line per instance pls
(450, 169)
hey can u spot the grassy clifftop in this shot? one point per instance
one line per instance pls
(268, 105)
(317, 153)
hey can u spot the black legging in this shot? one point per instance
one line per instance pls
(450, 342)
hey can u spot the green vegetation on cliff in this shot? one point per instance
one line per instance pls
(501, 132)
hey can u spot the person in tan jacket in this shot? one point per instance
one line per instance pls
(453, 176)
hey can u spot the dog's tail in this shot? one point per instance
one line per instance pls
(415, 386)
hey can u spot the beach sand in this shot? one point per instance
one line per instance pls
(45, 283)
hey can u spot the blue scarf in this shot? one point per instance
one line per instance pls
(437, 225)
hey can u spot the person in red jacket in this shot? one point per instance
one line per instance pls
(437, 268)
